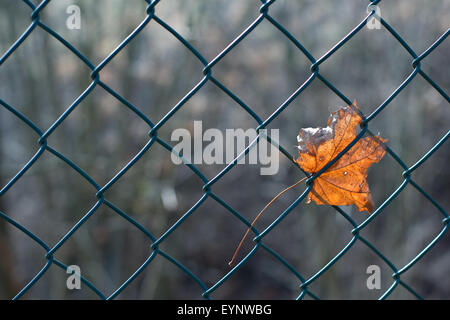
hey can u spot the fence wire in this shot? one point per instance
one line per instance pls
(154, 242)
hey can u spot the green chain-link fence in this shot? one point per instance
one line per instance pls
(208, 185)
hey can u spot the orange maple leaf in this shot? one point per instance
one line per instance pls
(344, 183)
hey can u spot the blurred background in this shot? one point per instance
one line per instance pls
(155, 71)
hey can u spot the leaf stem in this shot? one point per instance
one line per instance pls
(258, 216)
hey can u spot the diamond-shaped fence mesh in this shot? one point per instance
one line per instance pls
(208, 192)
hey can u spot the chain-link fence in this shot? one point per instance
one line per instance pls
(154, 242)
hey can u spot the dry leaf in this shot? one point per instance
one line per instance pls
(344, 183)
